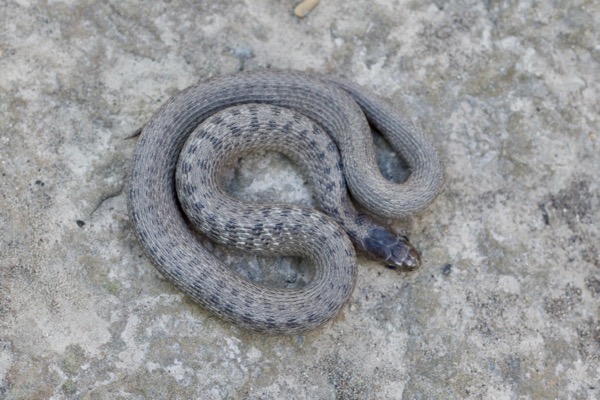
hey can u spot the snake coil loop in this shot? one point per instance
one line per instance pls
(184, 146)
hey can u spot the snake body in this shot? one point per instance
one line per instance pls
(175, 183)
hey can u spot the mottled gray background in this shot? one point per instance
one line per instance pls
(507, 304)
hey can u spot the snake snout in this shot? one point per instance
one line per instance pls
(408, 260)
(393, 250)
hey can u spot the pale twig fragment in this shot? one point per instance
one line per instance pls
(304, 7)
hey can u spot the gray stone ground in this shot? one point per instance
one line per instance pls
(507, 305)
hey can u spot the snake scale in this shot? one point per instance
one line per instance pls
(323, 124)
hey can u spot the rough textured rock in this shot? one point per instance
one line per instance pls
(507, 304)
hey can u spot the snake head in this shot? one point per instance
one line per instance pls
(392, 249)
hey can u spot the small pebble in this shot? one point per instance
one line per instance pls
(304, 7)
(447, 269)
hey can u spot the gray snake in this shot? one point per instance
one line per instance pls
(310, 118)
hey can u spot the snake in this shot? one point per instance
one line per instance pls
(324, 124)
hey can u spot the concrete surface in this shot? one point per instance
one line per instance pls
(507, 305)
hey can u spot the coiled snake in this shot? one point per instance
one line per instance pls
(310, 118)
